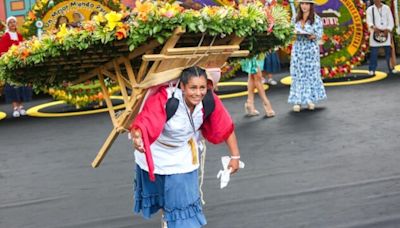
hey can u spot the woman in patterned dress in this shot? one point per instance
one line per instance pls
(307, 87)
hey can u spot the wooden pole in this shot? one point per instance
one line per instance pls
(125, 119)
(121, 83)
(107, 99)
(106, 146)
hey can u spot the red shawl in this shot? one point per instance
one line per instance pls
(216, 128)
(6, 42)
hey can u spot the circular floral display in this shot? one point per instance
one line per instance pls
(39, 10)
(345, 40)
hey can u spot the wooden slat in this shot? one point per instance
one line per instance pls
(129, 71)
(114, 77)
(125, 120)
(137, 52)
(121, 82)
(202, 50)
(159, 57)
(107, 99)
(143, 68)
(171, 42)
(104, 149)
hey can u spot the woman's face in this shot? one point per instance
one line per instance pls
(12, 25)
(305, 7)
(63, 20)
(194, 91)
(77, 17)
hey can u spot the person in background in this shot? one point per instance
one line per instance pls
(271, 65)
(78, 18)
(14, 94)
(61, 20)
(94, 13)
(252, 66)
(380, 23)
(307, 87)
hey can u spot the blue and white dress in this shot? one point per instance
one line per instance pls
(307, 85)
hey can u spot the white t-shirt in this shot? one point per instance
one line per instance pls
(171, 151)
(383, 20)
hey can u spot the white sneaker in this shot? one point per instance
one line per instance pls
(394, 71)
(16, 113)
(371, 73)
(263, 81)
(271, 81)
(22, 111)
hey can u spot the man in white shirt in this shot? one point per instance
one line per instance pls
(380, 24)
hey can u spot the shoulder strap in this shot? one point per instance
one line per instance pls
(171, 106)
(373, 14)
(208, 103)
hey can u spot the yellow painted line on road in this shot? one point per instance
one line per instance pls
(238, 94)
(35, 111)
(2, 115)
(378, 76)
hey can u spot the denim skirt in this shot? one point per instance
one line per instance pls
(177, 195)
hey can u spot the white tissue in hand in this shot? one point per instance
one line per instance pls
(225, 174)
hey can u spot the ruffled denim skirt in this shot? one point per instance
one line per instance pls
(177, 195)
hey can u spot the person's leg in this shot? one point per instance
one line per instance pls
(259, 86)
(15, 105)
(373, 59)
(393, 53)
(11, 95)
(249, 105)
(388, 55)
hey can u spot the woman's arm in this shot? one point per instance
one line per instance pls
(232, 144)
(318, 30)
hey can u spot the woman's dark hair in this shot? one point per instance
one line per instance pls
(190, 72)
(94, 13)
(59, 19)
(311, 16)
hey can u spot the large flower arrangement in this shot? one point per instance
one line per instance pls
(154, 20)
(82, 95)
(278, 14)
(2, 28)
(40, 8)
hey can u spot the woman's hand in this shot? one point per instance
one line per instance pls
(234, 165)
(311, 37)
(137, 140)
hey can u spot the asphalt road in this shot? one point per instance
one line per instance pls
(335, 167)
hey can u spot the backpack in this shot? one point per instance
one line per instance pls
(208, 104)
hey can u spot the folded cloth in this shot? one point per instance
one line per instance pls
(225, 174)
